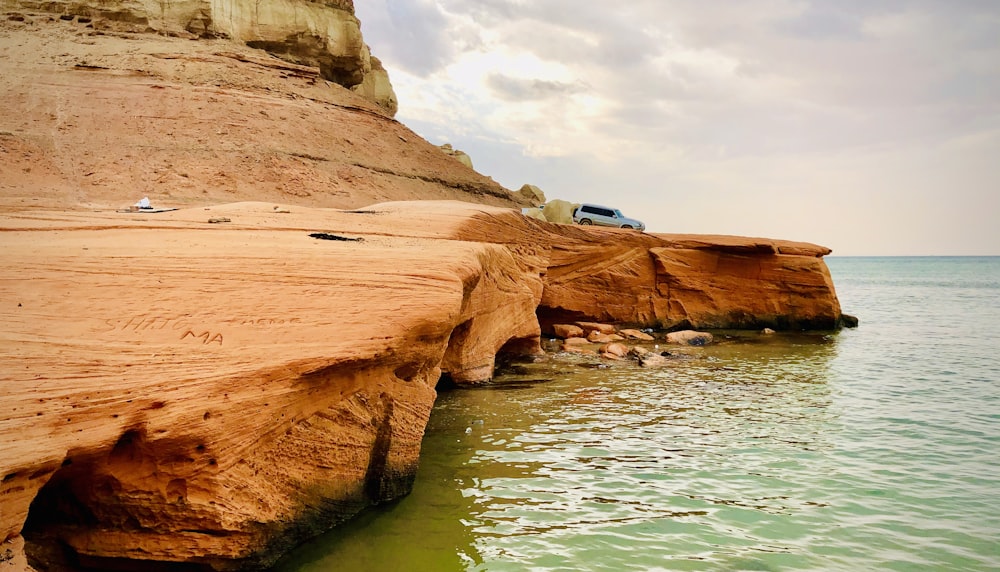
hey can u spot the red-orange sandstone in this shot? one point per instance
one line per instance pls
(175, 390)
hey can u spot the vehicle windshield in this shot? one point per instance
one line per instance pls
(619, 214)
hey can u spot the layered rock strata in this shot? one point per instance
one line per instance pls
(102, 119)
(203, 388)
(325, 35)
(177, 391)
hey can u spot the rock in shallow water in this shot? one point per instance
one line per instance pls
(690, 338)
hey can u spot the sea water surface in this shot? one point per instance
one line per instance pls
(869, 449)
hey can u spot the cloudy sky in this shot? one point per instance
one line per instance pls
(868, 126)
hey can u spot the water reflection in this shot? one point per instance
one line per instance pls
(568, 464)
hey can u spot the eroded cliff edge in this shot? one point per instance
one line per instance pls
(99, 118)
(325, 35)
(179, 391)
(176, 390)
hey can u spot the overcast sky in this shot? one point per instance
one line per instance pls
(871, 127)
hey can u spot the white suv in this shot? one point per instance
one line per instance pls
(604, 216)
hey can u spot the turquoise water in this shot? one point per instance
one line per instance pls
(868, 449)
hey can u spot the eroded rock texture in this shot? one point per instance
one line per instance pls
(180, 391)
(105, 120)
(207, 394)
(324, 35)
(173, 395)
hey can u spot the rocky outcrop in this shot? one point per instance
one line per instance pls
(376, 87)
(103, 119)
(559, 211)
(675, 281)
(211, 394)
(534, 195)
(460, 156)
(324, 35)
(689, 338)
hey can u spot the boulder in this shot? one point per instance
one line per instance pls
(534, 195)
(536, 214)
(559, 211)
(653, 360)
(615, 349)
(460, 156)
(597, 327)
(576, 342)
(689, 338)
(565, 331)
(636, 335)
(638, 352)
(597, 337)
(767, 332)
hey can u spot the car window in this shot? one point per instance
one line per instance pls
(619, 214)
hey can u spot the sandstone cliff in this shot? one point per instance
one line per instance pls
(325, 35)
(176, 390)
(102, 119)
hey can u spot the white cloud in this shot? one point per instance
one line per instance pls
(770, 117)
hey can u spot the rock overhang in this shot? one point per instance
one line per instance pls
(195, 360)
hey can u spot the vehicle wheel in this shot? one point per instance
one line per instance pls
(628, 226)
(586, 221)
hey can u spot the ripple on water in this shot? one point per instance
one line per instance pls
(874, 449)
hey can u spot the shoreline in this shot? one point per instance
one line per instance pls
(260, 385)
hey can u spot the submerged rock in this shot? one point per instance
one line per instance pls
(690, 338)
(619, 351)
(653, 360)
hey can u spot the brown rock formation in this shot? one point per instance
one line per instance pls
(460, 156)
(566, 331)
(103, 118)
(671, 281)
(534, 195)
(178, 391)
(324, 35)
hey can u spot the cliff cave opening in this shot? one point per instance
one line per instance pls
(547, 316)
(58, 509)
(81, 498)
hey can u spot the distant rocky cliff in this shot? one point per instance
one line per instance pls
(99, 112)
(325, 34)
